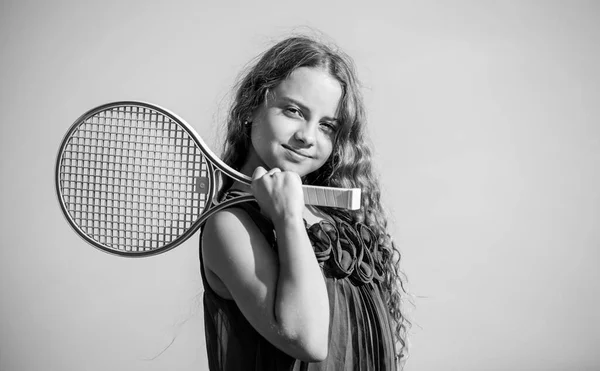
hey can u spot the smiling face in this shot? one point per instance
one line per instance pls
(295, 128)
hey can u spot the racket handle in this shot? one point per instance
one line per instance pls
(345, 198)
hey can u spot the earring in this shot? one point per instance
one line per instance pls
(247, 123)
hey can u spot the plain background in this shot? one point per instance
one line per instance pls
(484, 119)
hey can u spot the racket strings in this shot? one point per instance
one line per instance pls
(128, 178)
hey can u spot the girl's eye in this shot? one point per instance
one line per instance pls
(293, 111)
(328, 127)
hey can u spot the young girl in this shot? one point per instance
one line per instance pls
(287, 286)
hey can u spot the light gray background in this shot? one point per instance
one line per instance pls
(484, 117)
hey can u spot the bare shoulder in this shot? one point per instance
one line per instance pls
(226, 226)
(235, 250)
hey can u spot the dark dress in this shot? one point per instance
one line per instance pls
(360, 336)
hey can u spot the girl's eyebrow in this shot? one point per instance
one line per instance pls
(303, 107)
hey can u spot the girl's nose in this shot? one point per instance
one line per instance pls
(306, 134)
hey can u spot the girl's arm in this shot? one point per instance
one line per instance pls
(283, 295)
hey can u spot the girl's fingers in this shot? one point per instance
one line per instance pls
(273, 171)
(259, 172)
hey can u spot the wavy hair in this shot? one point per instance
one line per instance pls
(349, 165)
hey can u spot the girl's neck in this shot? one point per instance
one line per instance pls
(251, 163)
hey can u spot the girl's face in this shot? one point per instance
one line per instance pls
(294, 130)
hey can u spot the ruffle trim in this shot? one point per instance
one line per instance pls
(348, 251)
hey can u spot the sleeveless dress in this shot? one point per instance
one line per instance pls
(360, 335)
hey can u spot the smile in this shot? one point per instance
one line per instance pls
(296, 152)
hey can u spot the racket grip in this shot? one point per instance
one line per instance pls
(345, 198)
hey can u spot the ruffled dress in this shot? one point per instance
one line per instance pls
(360, 335)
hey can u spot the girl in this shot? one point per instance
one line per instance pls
(291, 287)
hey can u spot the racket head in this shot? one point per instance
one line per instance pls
(132, 178)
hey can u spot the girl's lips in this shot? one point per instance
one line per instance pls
(297, 151)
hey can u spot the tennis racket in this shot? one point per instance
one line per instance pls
(134, 179)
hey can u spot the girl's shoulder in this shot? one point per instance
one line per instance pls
(230, 240)
(250, 209)
(238, 220)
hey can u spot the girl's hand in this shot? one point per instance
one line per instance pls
(279, 194)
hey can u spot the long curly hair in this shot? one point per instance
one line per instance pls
(349, 165)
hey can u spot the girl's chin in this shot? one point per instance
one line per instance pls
(290, 167)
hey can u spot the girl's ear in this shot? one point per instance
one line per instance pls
(254, 116)
(249, 121)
